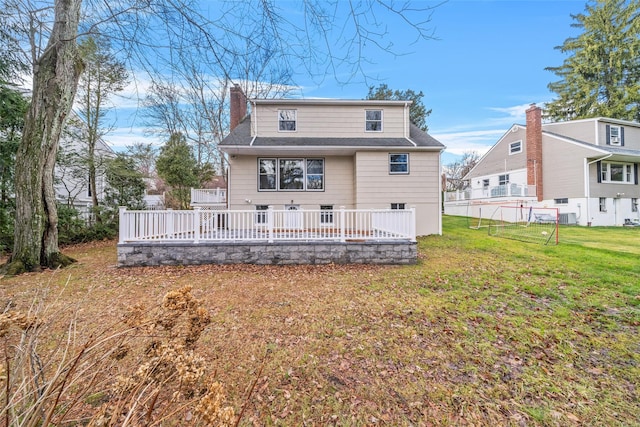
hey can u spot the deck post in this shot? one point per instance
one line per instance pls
(342, 225)
(121, 224)
(412, 224)
(270, 224)
(196, 224)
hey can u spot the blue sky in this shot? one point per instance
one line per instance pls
(485, 68)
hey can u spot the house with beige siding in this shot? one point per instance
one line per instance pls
(587, 169)
(321, 154)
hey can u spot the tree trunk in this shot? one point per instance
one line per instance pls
(55, 80)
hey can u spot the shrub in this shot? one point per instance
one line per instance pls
(142, 370)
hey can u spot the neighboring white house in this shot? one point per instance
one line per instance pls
(71, 176)
(326, 154)
(588, 169)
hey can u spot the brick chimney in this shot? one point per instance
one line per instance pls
(534, 148)
(238, 106)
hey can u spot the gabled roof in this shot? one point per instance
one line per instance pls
(240, 138)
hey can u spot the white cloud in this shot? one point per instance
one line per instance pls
(511, 115)
(120, 138)
(473, 140)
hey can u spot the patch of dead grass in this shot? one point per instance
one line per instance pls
(456, 340)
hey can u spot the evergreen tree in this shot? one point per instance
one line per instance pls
(125, 184)
(418, 113)
(178, 167)
(601, 76)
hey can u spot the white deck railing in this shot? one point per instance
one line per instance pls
(268, 225)
(208, 196)
(507, 190)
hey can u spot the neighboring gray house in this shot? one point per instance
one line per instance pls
(325, 154)
(588, 169)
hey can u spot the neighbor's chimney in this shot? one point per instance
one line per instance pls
(534, 148)
(238, 106)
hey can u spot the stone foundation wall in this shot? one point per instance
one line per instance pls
(280, 253)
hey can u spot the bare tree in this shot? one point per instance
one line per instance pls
(456, 171)
(152, 34)
(104, 76)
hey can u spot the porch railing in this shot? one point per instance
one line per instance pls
(267, 225)
(506, 190)
(207, 196)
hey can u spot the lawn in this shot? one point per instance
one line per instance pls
(481, 331)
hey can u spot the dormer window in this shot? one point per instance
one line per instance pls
(287, 120)
(373, 120)
(615, 135)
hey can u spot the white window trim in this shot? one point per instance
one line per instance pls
(396, 163)
(511, 152)
(618, 140)
(381, 120)
(295, 120)
(605, 169)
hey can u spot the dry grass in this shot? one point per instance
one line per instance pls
(478, 333)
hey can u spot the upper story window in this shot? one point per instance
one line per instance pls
(399, 163)
(515, 147)
(485, 183)
(616, 172)
(398, 206)
(503, 179)
(291, 174)
(373, 120)
(561, 201)
(287, 120)
(615, 135)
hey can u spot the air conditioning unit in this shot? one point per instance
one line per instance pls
(615, 140)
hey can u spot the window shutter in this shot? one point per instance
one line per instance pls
(621, 136)
(635, 173)
(608, 140)
(599, 167)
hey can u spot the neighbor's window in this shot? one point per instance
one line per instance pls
(614, 135)
(287, 120)
(603, 204)
(261, 214)
(503, 179)
(326, 214)
(561, 201)
(373, 120)
(515, 147)
(291, 174)
(485, 183)
(398, 206)
(616, 172)
(267, 174)
(399, 163)
(634, 204)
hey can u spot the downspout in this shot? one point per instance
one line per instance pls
(586, 183)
